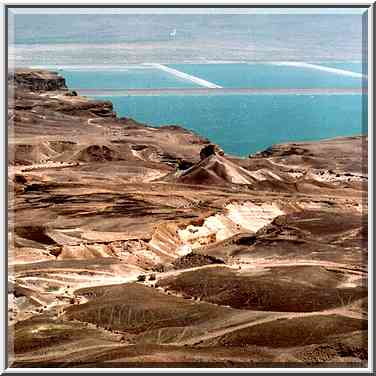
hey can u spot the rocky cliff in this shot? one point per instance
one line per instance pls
(114, 226)
(37, 80)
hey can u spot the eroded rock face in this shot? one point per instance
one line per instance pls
(37, 80)
(195, 260)
(95, 201)
(209, 150)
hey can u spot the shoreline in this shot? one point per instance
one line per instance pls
(93, 94)
(137, 244)
(221, 91)
(145, 65)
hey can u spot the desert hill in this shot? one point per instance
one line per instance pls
(136, 245)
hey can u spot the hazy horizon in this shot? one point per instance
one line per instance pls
(85, 39)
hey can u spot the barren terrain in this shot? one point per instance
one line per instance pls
(131, 245)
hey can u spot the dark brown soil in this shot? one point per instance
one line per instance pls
(192, 260)
(135, 308)
(284, 289)
(96, 200)
(299, 331)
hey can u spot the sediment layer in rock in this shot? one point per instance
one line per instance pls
(143, 246)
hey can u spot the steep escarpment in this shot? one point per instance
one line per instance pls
(37, 80)
(131, 244)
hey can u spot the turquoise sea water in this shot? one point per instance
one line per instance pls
(351, 66)
(238, 75)
(241, 124)
(132, 78)
(260, 75)
(245, 124)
